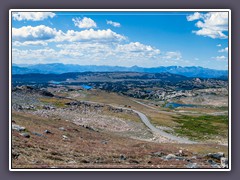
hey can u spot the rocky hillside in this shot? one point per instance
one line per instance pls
(50, 131)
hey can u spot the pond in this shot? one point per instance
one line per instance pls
(55, 82)
(86, 87)
(176, 105)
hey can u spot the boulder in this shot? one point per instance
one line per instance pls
(159, 154)
(216, 166)
(123, 157)
(47, 107)
(48, 132)
(170, 156)
(210, 161)
(224, 162)
(18, 128)
(192, 165)
(37, 134)
(216, 155)
(26, 135)
(64, 137)
(62, 129)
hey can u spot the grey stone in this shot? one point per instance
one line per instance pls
(133, 161)
(37, 134)
(15, 154)
(192, 165)
(159, 154)
(215, 166)
(216, 155)
(48, 132)
(210, 161)
(194, 157)
(224, 162)
(64, 137)
(104, 142)
(123, 157)
(47, 107)
(170, 156)
(18, 128)
(26, 135)
(62, 129)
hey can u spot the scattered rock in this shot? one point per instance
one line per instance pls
(170, 156)
(90, 128)
(210, 161)
(104, 142)
(99, 160)
(123, 157)
(15, 154)
(133, 161)
(47, 107)
(224, 162)
(216, 155)
(192, 165)
(18, 128)
(64, 137)
(194, 157)
(173, 156)
(72, 162)
(159, 154)
(26, 135)
(62, 129)
(180, 152)
(85, 161)
(215, 166)
(37, 134)
(48, 132)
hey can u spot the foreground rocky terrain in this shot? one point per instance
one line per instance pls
(58, 127)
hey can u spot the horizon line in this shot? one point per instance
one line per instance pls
(121, 66)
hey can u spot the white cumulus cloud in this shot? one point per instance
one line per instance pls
(219, 45)
(220, 58)
(212, 24)
(115, 24)
(30, 43)
(84, 23)
(224, 50)
(194, 16)
(172, 55)
(29, 33)
(34, 56)
(137, 47)
(32, 16)
(91, 35)
(42, 32)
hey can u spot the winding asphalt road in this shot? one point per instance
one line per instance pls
(146, 121)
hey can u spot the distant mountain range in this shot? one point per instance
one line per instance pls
(58, 68)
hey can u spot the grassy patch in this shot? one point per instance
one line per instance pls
(55, 101)
(202, 127)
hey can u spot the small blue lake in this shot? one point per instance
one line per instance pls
(176, 105)
(55, 82)
(86, 87)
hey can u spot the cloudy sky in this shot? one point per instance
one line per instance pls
(146, 39)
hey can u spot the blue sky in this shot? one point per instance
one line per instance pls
(146, 39)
